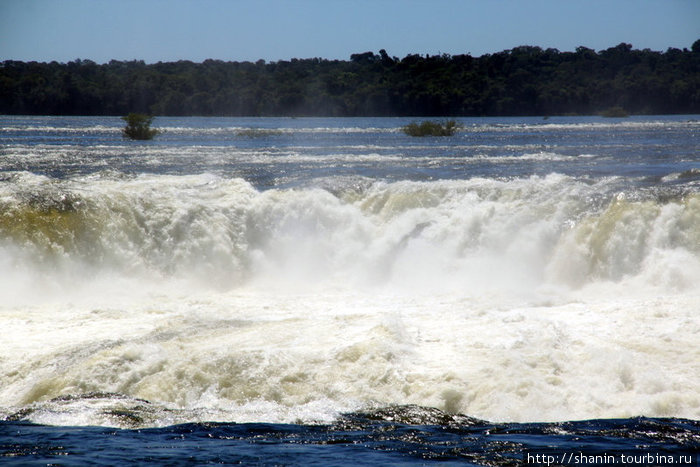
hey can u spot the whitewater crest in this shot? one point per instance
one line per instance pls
(334, 271)
(457, 236)
(218, 301)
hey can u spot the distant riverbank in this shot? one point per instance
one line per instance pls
(525, 80)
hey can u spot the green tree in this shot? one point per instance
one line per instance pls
(138, 126)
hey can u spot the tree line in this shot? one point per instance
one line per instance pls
(525, 80)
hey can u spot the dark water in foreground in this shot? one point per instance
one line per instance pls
(396, 436)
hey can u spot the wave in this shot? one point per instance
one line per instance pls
(584, 126)
(538, 298)
(258, 164)
(300, 357)
(241, 131)
(251, 131)
(60, 129)
(502, 234)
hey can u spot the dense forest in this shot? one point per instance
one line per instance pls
(522, 81)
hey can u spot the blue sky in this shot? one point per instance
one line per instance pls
(238, 30)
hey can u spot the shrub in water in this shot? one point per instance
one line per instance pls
(138, 126)
(257, 132)
(430, 128)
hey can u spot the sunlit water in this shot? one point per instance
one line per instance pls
(313, 271)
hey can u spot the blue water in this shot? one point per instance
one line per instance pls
(157, 264)
(641, 149)
(357, 439)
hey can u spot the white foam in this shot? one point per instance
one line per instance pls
(115, 127)
(509, 300)
(287, 357)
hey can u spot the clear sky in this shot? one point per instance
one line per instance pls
(239, 30)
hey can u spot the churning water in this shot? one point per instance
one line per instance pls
(349, 280)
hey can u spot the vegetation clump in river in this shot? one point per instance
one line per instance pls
(431, 128)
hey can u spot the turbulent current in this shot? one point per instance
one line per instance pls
(295, 270)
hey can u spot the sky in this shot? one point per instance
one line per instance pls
(273, 30)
